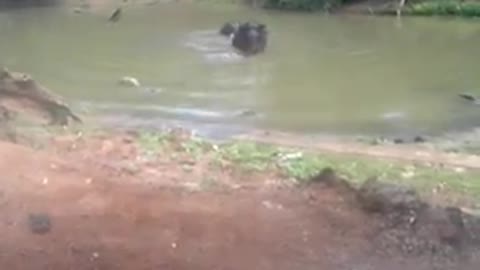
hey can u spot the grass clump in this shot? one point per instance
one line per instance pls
(152, 143)
(248, 155)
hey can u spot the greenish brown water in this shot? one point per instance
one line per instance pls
(319, 74)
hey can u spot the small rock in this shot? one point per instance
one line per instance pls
(129, 81)
(290, 156)
(95, 255)
(39, 223)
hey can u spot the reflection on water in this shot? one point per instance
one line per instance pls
(346, 74)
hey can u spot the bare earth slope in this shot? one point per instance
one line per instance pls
(105, 215)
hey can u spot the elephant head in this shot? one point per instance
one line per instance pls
(250, 38)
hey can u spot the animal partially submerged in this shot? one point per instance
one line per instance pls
(249, 38)
(29, 94)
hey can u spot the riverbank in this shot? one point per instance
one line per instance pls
(442, 176)
(118, 199)
(366, 7)
(416, 8)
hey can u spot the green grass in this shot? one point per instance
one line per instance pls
(301, 166)
(445, 8)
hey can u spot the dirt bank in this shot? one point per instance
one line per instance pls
(110, 207)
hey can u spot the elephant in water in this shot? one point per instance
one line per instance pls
(249, 38)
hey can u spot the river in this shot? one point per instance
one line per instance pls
(320, 74)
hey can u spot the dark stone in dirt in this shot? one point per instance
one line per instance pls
(40, 223)
(376, 196)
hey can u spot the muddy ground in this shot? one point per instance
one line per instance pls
(97, 203)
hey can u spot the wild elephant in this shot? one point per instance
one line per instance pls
(249, 38)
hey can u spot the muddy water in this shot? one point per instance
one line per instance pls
(340, 74)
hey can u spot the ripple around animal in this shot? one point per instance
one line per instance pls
(215, 48)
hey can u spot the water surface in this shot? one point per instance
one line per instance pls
(320, 74)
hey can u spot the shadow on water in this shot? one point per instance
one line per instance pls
(319, 74)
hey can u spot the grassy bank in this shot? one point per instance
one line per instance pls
(303, 5)
(444, 8)
(299, 167)
(289, 163)
(469, 8)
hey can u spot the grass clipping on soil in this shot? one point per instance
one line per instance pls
(299, 167)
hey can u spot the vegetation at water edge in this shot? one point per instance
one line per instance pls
(303, 5)
(445, 7)
(300, 166)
